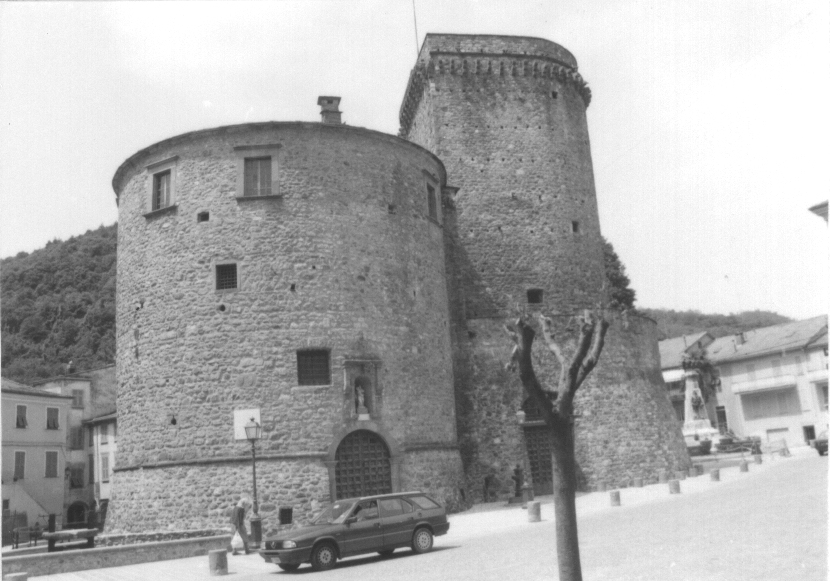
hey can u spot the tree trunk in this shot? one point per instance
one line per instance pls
(564, 502)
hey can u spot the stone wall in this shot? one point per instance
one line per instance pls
(345, 259)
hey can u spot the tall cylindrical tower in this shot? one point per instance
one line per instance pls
(294, 268)
(507, 115)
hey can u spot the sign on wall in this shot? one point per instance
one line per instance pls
(241, 419)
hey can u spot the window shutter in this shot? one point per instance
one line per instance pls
(21, 417)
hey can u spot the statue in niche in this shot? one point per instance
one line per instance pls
(360, 385)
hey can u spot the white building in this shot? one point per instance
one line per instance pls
(774, 381)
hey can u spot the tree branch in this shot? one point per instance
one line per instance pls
(598, 343)
(554, 348)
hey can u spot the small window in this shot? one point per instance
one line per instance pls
(19, 465)
(575, 227)
(6, 504)
(105, 469)
(432, 205)
(52, 419)
(162, 189)
(91, 462)
(258, 176)
(51, 465)
(534, 296)
(21, 417)
(76, 477)
(313, 367)
(77, 398)
(226, 276)
(203, 216)
(76, 438)
(104, 432)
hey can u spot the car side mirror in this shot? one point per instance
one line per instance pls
(351, 519)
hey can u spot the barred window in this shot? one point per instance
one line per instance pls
(313, 367)
(21, 417)
(257, 176)
(51, 465)
(226, 276)
(52, 419)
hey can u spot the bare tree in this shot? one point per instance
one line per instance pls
(557, 410)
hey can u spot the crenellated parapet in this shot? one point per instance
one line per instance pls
(503, 64)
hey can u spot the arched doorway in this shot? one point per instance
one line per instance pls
(539, 450)
(76, 515)
(362, 465)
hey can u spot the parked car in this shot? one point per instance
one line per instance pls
(821, 443)
(355, 526)
(729, 442)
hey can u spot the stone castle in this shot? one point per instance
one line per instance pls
(352, 285)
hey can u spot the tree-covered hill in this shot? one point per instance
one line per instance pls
(677, 323)
(57, 305)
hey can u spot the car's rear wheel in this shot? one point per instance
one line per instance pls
(288, 566)
(386, 553)
(422, 540)
(323, 557)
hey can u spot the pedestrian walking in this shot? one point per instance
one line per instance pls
(238, 524)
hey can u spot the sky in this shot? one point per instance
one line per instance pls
(709, 121)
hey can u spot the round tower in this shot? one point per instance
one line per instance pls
(507, 116)
(293, 268)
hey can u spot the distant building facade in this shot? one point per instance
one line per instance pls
(774, 380)
(35, 455)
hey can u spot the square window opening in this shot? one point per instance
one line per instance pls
(226, 276)
(203, 217)
(535, 296)
(313, 367)
(575, 227)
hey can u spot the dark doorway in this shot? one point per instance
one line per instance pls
(809, 433)
(362, 466)
(76, 516)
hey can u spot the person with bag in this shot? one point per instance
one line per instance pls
(240, 534)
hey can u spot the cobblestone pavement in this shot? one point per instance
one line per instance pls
(770, 523)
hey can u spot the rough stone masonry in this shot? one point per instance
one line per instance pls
(318, 271)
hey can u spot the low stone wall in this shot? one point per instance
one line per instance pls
(113, 540)
(113, 556)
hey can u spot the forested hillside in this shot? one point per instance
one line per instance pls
(677, 323)
(57, 305)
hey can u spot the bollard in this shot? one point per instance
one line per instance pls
(715, 475)
(662, 477)
(759, 459)
(218, 562)
(16, 577)
(698, 469)
(615, 498)
(637, 482)
(744, 466)
(534, 511)
(674, 487)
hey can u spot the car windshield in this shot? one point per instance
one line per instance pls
(333, 513)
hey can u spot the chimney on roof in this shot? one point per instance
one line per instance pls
(329, 111)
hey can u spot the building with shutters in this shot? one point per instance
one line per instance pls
(352, 286)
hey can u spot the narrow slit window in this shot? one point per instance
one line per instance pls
(534, 296)
(226, 276)
(575, 227)
(258, 176)
(203, 216)
(432, 204)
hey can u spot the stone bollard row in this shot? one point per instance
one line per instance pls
(218, 562)
(534, 511)
(715, 475)
(674, 487)
(615, 498)
(698, 470)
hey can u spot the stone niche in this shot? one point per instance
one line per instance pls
(362, 392)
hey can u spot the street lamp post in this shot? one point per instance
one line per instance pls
(253, 432)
